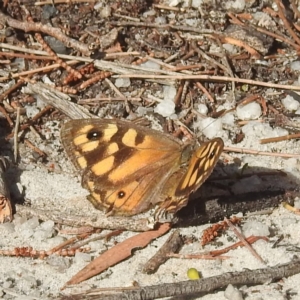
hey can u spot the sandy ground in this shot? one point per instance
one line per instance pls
(27, 278)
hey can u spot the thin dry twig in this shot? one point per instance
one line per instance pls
(39, 27)
(16, 130)
(244, 241)
(173, 244)
(195, 287)
(96, 220)
(211, 78)
(257, 152)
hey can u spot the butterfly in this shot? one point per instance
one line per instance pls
(128, 168)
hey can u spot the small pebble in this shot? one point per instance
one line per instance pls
(236, 5)
(150, 65)
(30, 224)
(105, 12)
(255, 228)
(251, 111)
(56, 45)
(295, 65)
(211, 127)
(59, 263)
(165, 108)
(7, 284)
(47, 225)
(196, 3)
(228, 119)
(290, 103)
(202, 109)
(42, 235)
(233, 293)
(122, 82)
(82, 257)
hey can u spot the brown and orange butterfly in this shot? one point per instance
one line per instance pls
(129, 168)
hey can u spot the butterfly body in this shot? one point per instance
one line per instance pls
(129, 168)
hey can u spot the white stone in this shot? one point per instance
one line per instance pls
(97, 246)
(295, 65)
(7, 284)
(19, 220)
(41, 235)
(297, 202)
(237, 5)
(196, 3)
(141, 110)
(148, 13)
(191, 22)
(228, 119)
(31, 111)
(210, 127)
(59, 263)
(160, 20)
(174, 2)
(251, 111)
(82, 257)
(290, 103)
(230, 48)
(169, 92)
(53, 242)
(253, 227)
(263, 19)
(202, 109)
(32, 223)
(122, 82)
(232, 293)
(105, 12)
(165, 108)
(47, 225)
(150, 65)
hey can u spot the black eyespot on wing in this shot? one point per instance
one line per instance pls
(94, 135)
(212, 154)
(121, 194)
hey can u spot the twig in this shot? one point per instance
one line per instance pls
(251, 239)
(98, 220)
(196, 287)
(173, 244)
(16, 135)
(286, 23)
(280, 138)
(244, 241)
(210, 78)
(257, 152)
(58, 100)
(39, 27)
